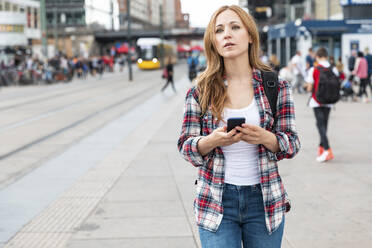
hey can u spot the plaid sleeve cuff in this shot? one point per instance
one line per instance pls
(283, 147)
(192, 153)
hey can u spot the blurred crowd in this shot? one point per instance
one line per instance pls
(60, 68)
(354, 81)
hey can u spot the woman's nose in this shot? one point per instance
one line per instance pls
(227, 33)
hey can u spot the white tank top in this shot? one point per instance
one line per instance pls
(241, 158)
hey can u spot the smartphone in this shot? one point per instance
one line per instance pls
(233, 122)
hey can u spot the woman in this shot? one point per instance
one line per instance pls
(361, 71)
(169, 75)
(240, 196)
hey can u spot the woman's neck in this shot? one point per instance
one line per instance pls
(238, 70)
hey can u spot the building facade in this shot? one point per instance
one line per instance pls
(169, 13)
(144, 14)
(328, 10)
(340, 27)
(83, 13)
(182, 19)
(19, 22)
(71, 24)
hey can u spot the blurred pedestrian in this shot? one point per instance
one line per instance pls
(122, 62)
(192, 63)
(347, 89)
(243, 161)
(351, 60)
(64, 67)
(321, 111)
(101, 66)
(310, 57)
(298, 73)
(368, 57)
(202, 63)
(331, 60)
(274, 63)
(169, 75)
(340, 69)
(286, 73)
(361, 71)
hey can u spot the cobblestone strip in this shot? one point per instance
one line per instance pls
(55, 225)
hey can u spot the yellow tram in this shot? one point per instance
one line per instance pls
(149, 52)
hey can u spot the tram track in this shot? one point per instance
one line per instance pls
(60, 109)
(74, 124)
(86, 87)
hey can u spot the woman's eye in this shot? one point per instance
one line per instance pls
(235, 27)
(219, 30)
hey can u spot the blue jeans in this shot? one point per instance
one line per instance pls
(243, 221)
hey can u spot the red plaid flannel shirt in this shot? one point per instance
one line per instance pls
(208, 206)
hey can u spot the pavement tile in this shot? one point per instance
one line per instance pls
(97, 228)
(107, 210)
(143, 188)
(168, 242)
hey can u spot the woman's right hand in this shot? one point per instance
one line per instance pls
(221, 138)
(218, 137)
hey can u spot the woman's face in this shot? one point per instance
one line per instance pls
(231, 37)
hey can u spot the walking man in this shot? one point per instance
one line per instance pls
(321, 111)
(298, 72)
(169, 75)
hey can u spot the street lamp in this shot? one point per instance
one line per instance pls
(55, 31)
(63, 21)
(129, 39)
(43, 28)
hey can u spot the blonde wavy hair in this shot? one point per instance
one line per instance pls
(210, 83)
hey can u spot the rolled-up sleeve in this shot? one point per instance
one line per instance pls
(285, 130)
(191, 129)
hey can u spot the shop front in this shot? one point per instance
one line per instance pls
(338, 36)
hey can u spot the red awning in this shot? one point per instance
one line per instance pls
(181, 49)
(196, 48)
(122, 49)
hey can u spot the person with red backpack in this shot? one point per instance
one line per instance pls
(324, 84)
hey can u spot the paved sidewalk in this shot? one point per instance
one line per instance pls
(141, 193)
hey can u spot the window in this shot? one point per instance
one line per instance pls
(28, 17)
(1, 6)
(11, 28)
(49, 17)
(15, 7)
(36, 19)
(7, 6)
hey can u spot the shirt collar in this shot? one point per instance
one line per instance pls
(257, 76)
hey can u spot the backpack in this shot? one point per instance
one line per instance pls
(329, 86)
(270, 83)
(165, 73)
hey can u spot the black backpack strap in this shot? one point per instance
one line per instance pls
(270, 83)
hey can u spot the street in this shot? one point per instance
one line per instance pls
(94, 163)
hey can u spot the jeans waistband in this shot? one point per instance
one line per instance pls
(254, 187)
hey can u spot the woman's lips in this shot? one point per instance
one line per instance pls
(229, 45)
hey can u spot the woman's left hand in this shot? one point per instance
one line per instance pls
(257, 135)
(253, 134)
